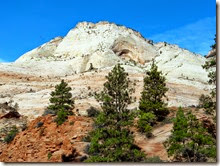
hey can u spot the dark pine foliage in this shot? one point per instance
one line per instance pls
(154, 93)
(61, 98)
(152, 107)
(112, 141)
(190, 141)
(61, 101)
(145, 122)
(214, 45)
(212, 73)
(208, 102)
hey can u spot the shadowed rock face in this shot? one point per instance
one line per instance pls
(30, 79)
(11, 114)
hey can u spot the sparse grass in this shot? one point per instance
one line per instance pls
(49, 155)
(11, 135)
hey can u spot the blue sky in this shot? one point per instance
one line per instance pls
(26, 24)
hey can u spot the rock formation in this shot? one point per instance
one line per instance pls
(29, 80)
(49, 142)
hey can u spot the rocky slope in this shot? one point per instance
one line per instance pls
(44, 141)
(85, 55)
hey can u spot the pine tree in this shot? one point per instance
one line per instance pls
(214, 45)
(112, 141)
(61, 98)
(153, 93)
(190, 141)
(209, 102)
(206, 102)
(210, 66)
(61, 102)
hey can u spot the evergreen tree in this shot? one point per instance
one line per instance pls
(112, 141)
(153, 93)
(61, 102)
(209, 102)
(190, 141)
(206, 102)
(214, 45)
(210, 66)
(61, 98)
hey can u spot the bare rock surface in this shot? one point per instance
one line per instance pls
(48, 142)
(154, 146)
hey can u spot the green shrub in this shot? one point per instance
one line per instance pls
(207, 103)
(92, 112)
(61, 117)
(154, 159)
(49, 155)
(11, 135)
(146, 120)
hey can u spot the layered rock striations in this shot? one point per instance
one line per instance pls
(86, 54)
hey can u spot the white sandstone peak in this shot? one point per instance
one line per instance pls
(94, 48)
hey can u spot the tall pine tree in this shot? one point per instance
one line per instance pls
(208, 102)
(153, 94)
(112, 141)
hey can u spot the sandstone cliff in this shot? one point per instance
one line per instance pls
(86, 54)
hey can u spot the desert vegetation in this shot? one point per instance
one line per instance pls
(62, 103)
(112, 141)
(115, 125)
(152, 107)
